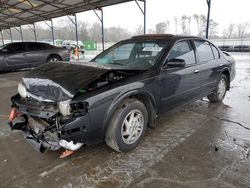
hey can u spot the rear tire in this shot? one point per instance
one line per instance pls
(127, 126)
(53, 58)
(219, 93)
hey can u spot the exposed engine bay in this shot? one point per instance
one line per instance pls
(110, 77)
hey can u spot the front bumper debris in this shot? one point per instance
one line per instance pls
(45, 128)
(39, 140)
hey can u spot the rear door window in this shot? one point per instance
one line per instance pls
(35, 46)
(183, 50)
(204, 51)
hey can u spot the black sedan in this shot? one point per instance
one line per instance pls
(20, 55)
(119, 93)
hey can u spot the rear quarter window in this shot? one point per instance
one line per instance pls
(216, 52)
(204, 51)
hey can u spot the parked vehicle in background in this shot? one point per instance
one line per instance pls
(226, 48)
(48, 41)
(119, 93)
(242, 48)
(58, 42)
(19, 55)
(71, 45)
(237, 48)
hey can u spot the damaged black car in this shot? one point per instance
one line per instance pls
(120, 93)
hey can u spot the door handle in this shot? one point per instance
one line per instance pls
(196, 71)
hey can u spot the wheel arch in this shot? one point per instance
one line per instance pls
(145, 97)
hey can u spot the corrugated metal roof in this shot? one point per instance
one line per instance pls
(14, 13)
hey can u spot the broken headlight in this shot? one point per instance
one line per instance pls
(79, 108)
(22, 90)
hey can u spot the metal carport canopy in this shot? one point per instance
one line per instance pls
(15, 13)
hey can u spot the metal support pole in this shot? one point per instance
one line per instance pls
(51, 26)
(21, 33)
(145, 24)
(76, 35)
(34, 32)
(2, 37)
(75, 23)
(102, 31)
(208, 17)
(143, 12)
(11, 36)
(102, 23)
(52, 29)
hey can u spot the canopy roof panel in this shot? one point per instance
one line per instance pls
(14, 13)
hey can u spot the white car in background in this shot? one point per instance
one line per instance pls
(71, 45)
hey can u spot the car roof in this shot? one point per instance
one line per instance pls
(164, 37)
(28, 43)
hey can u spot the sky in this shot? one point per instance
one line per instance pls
(129, 16)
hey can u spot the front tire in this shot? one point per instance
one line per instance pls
(53, 58)
(219, 93)
(127, 126)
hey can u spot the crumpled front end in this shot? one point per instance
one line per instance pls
(51, 107)
(45, 128)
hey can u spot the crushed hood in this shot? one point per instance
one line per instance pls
(60, 81)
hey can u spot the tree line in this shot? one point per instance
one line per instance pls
(184, 25)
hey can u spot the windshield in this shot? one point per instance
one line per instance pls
(132, 55)
(3, 46)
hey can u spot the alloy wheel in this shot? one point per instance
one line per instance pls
(132, 126)
(222, 87)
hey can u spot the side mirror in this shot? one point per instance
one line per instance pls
(176, 63)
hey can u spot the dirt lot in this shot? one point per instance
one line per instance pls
(198, 145)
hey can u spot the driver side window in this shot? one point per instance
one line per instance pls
(183, 50)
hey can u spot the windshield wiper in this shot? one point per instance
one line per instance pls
(116, 63)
